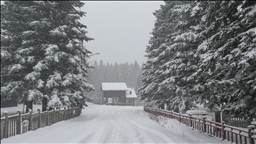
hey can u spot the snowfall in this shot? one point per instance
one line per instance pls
(115, 124)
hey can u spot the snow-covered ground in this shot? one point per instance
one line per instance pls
(13, 110)
(114, 124)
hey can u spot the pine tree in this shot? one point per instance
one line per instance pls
(172, 54)
(20, 50)
(154, 49)
(49, 39)
(181, 61)
(228, 56)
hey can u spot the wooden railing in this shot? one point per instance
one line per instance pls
(12, 125)
(126, 104)
(220, 130)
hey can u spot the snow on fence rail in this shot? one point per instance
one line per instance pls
(220, 130)
(12, 125)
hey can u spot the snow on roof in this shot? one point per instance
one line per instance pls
(197, 112)
(114, 86)
(130, 93)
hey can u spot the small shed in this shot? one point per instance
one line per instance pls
(113, 92)
(130, 95)
(197, 113)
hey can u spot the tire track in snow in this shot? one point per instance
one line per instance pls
(125, 132)
(155, 135)
(97, 121)
(95, 133)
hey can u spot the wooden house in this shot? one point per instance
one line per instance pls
(117, 93)
(113, 92)
(130, 96)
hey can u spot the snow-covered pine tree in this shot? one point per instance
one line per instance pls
(51, 47)
(174, 58)
(166, 88)
(156, 45)
(65, 56)
(181, 61)
(228, 56)
(20, 51)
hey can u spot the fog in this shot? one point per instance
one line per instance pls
(121, 29)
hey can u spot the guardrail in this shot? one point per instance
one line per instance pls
(220, 130)
(16, 124)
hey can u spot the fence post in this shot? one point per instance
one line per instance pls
(179, 117)
(190, 120)
(77, 111)
(53, 116)
(6, 125)
(47, 116)
(72, 112)
(67, 113)
(30, 120)
(204, 125)
(251, 141)
(64, 113)
(57, 113)
(19, 123)
(39, 118)
(193, 123)
(170, 114)
(223, 131)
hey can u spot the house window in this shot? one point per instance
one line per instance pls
(130, 92)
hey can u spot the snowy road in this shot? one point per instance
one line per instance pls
(106, 124)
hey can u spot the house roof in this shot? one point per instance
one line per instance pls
(132, 95)
(113, 86)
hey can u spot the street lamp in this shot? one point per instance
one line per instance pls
(93, 54)
(82, 62)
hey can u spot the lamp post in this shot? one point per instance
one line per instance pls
(93, 54)
(82, 62)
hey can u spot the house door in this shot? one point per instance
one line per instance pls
(115, 99)
(109, 100)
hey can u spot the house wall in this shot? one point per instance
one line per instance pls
(111, 94)
(129, 100)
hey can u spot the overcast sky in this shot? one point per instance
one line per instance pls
(121, 29)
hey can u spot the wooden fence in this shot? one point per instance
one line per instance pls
(220, 130)
(127, 104)
(12, 125)
(237, 122)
